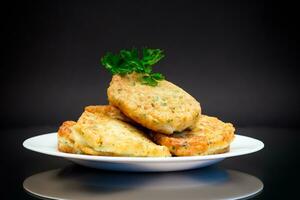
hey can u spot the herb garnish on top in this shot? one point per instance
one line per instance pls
(129, 61)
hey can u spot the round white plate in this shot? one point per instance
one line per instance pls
(47, 144)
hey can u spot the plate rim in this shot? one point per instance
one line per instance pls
(26, 144)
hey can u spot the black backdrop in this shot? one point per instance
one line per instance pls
(239, 59)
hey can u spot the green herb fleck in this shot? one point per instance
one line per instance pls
(163, 104)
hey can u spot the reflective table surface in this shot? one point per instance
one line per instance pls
(74, 182)
(268, 174)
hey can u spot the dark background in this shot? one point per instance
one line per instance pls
(239, 59)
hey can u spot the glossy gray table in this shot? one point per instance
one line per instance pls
(79, 183)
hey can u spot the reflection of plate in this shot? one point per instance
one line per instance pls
(75, 182)
(47, 144)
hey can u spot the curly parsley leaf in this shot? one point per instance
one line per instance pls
(129, 61)
(148, 80)
(157, 76)
(151, 56)
(152, 79)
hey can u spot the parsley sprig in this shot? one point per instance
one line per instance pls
(129, 61)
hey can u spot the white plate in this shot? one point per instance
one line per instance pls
(47, 144)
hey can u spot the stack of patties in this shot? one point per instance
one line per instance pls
(145, 121)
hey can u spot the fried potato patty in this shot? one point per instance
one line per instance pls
(109, 111)
(208, 136)
(165, 108)
(65, 138)
(99, 134)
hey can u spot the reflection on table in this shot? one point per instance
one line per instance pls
(78, 183)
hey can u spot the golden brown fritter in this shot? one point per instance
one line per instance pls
(208, 136)
(109, 111)
(165, 108)
(100, 134)
(65, 138)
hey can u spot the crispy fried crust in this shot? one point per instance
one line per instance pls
(65, 139)
(100, 132)
(164, 108)
(109, 111)
(208, 136)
